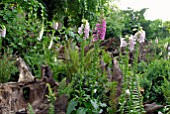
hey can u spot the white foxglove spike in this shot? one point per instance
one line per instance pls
(41, 33)
(132, 43)
(51, 43)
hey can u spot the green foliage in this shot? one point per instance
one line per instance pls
(71, 12)
(26, 28)
(142, 66)
(153, 80)
(131, 98)
(65, 88)
(51, 99)
(115, 22)
(87, 80)
(130, 101)
(71, 106)
(166, 109)
(7, 67)
(132, 20)
(165, 89)
(112, 102)
(30, 109)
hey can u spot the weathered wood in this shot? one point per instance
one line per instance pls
(15, 96)
(25, 74)
(150, 108)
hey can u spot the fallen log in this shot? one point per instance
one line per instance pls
(15, 96)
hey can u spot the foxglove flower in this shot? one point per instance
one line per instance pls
(41, 33)
(95, 32)
(123, 43)
(80, 29)
(86, 30)
(132, 43)
(100, 31)
(103, 29)
(140, 36)
(55, 26)
(3, 31)
(51, 43)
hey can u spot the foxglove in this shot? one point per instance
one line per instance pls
(140, 36)
(123, 43)
(100, 30)
(41, 33)
(80, 29)
(132, 43)
(86, 30)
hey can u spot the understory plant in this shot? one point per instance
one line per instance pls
(87, 81)
(7, 67)
(153, 80)
(85, 75)
(130, 101)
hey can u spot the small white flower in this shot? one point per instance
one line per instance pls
(127, 92)
(3, 31)
(55, 25)
(156, 40)
(168, 48)
(160, 112)
(123, 43)
(41, 33)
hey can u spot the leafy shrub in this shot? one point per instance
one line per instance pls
(166, 90)
(153, 79)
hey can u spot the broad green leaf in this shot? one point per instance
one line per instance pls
(71, 106)
(81, 110)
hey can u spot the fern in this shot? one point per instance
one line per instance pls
(51, 98)
(30, 109)
(112, 97)
(72, 59)
(131, 103)
(65, 88)
(7, 68)
(166, 90)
